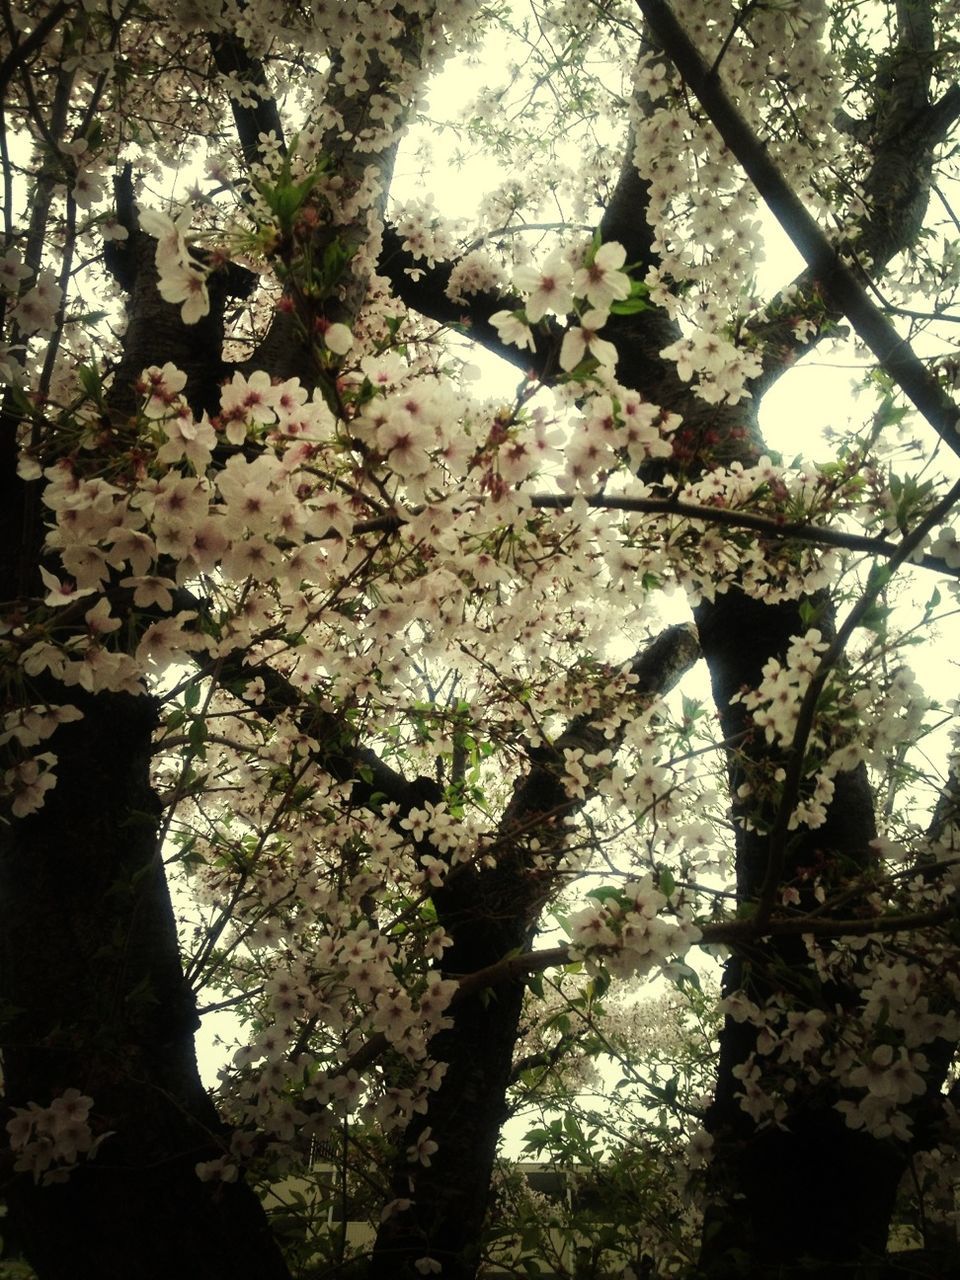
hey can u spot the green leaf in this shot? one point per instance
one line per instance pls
(604, 892)
(629, 306)
(598, 986)
(878, 577)
(536, 1139)
(809, 612)
(685, 976)
(571, 1126)
(692, 708)
(889, 414)
(875, 619)
(637, 300)
(89, 378)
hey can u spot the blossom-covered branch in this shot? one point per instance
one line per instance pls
(838, 282)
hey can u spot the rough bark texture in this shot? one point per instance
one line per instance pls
(781, 1176)
(466, 1113)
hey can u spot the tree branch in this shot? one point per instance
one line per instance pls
(771, 526)
(424, 290)
(840, 286)
(738, 933)
(903, 130)
(232, 58)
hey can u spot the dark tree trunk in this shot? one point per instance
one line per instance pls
(489, 914)
(814, 1194)
(92, 994)
(94, 999)
(450, 1197)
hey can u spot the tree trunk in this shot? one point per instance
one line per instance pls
(489, 914)
(450, 1196)
(783, 1177)
(94, 999)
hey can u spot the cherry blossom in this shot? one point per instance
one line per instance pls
(582, 340)
(512, 329)
(338, 339)
(37, 309)
(601, 281)
(185, 282)
(547, 288)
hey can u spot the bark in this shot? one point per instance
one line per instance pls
(489, 914)
(465, 1115)
(94, 999)
(92, 994)
(780, 1177)
(155, 333)
(91, 983)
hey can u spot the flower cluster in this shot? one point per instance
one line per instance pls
(181, 278)
(775, 703)
(474, 272)
(626, 934)
(890, 1079)
(570, 281)
(49, 1140)
(33, 310)
(862, 718)
(879, 1052)
(722, 368)
(703, 213)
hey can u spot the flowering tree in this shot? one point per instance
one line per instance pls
(326, 678)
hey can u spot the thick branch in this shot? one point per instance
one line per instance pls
(424, 290)
(658, 668)
(232, 58)
(903, 131)
(770, 526)
(839, 284)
